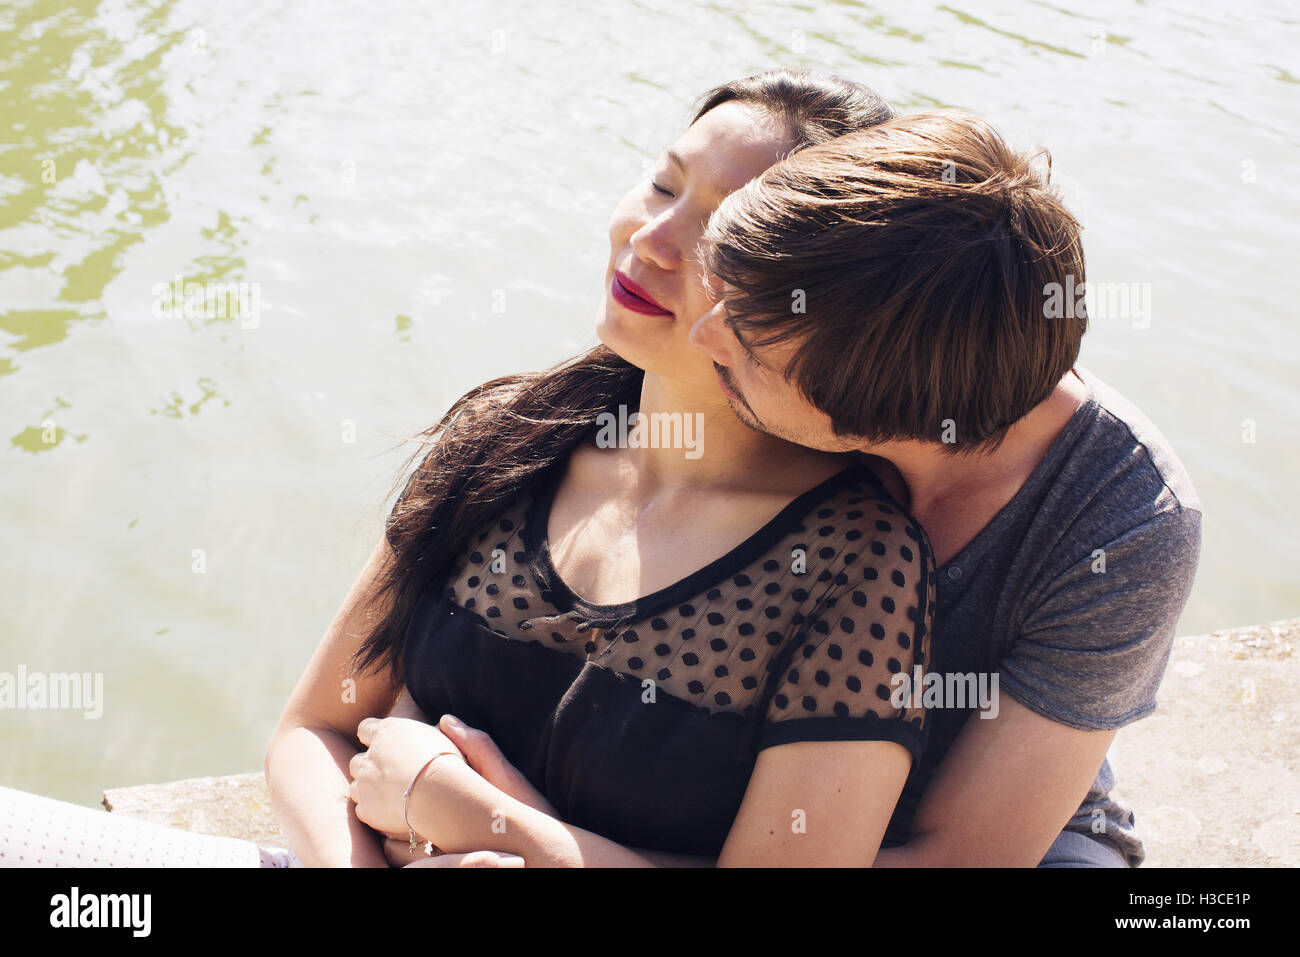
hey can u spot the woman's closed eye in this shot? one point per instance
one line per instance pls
(661, 190)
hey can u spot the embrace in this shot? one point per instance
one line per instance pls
(648, 657)
(829, 554)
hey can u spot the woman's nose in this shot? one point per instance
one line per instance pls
(655, 242)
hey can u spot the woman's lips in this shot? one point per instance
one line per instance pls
(631, 296)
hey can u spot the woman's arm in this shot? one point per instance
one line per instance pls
(665, 859)
(485, 758)
(405, 707)
(808, 804)
(460, 811)
(765, 797)
(307, 758)
(817, 804)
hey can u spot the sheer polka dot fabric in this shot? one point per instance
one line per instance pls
(813, 617)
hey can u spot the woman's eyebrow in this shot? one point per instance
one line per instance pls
(719, 192)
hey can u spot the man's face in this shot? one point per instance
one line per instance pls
(752, 380)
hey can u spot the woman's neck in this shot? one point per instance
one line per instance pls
(688, 437)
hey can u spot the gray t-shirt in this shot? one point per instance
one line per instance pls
(1072, 593)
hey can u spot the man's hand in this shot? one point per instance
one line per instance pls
(483, 756)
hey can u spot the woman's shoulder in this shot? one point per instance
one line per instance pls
(870, 549)
(861, 504)
(863, 580)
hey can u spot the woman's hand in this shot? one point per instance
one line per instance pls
(473, 821)
(481, 752)
(483, 755)
(397, 748)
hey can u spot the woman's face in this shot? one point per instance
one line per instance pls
(654, 286)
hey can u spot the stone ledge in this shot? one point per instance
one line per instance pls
(237, 805)
(1211, 775)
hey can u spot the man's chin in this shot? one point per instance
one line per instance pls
(748, 419)
(807, 439)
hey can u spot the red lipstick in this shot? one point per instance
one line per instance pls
(631, 296)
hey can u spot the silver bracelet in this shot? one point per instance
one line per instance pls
(406, 798)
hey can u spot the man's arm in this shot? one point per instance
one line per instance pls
(1089, 659)
(1003, 792)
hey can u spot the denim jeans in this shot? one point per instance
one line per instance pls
(1073, 849)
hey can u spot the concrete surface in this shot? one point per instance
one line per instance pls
(1211, 775)
(234, 806)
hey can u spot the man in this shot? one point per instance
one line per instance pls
(912, 292)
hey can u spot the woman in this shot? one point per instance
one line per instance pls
(664, 655)
(673, 655)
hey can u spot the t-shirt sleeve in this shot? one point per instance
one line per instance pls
(1092, 652)
(850, 674)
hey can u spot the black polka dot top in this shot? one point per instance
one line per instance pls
(642, 721)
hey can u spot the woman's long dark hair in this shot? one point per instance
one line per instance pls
(500, 435)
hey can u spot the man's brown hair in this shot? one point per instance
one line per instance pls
(910, 262)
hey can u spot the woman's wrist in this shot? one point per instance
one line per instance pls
(459, 811)
(449, 804)
(413, 840)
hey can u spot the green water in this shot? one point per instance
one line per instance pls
(419, 192)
